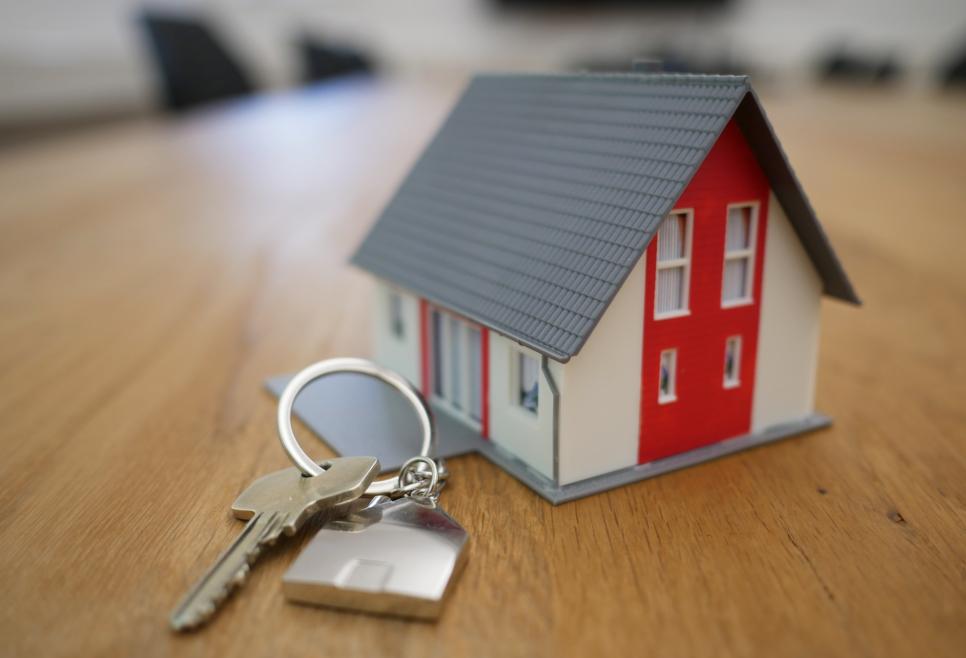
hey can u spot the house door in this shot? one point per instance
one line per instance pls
(456, 356)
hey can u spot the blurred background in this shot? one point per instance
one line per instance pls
(66, 65)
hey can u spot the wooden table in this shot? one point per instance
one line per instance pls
(153, 274)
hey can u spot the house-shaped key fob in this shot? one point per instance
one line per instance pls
(395, 557)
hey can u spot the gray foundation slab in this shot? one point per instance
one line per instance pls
(561, 494)
(356, 415)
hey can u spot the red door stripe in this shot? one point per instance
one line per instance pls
(705, 411)
(425, 384)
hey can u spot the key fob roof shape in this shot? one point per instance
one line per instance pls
(397, 558)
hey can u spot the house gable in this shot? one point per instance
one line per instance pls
(758, 131)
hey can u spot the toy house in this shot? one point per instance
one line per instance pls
(605, 277)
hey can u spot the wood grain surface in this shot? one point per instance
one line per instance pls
(152, 274)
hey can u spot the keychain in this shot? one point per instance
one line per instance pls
(391, 556)
(396, 553)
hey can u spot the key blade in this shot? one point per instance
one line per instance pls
(229, 570)
(274, 504)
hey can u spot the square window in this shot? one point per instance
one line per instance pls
(736, 280)
(739, 228)
(672, 237)
(732, 362)
(667, 377)
(670, 289)
(528, 382)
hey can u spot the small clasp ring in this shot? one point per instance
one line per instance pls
(416, 481)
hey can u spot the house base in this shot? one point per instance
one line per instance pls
(557, 494)
(358, 416)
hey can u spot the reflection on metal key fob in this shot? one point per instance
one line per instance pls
(393, 557)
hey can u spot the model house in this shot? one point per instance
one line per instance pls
(605, 276)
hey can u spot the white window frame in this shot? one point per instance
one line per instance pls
(463, 411)
(397, 315)
(662, 397)
(516, 383)
(749, 253)
(732, 382)
(677, 262)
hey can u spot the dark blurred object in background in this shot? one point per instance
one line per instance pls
(322, 62)
(193, 66)
(843, 66)
(67, 66)
(597, 4)
(952, 73)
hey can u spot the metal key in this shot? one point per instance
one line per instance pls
(279, 502)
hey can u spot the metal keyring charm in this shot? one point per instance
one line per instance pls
(408, 481)
(286, 435)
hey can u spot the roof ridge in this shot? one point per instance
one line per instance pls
(643, 76)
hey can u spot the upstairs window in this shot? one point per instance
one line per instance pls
(528, 382)
(739, 255)
(732, 362)
(673, 265)
(667, 377)
(396, 324)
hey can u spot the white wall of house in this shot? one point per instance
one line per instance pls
(399, 353)
(519, 431)
(601, 390)
(789, 327)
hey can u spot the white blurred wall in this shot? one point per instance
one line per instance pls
(62, 58)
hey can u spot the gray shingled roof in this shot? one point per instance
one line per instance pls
(539, 194)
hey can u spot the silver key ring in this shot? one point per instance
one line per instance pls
(308, 467)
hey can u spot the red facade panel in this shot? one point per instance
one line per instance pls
(705, 410)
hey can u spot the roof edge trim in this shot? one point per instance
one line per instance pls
(763, 140)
